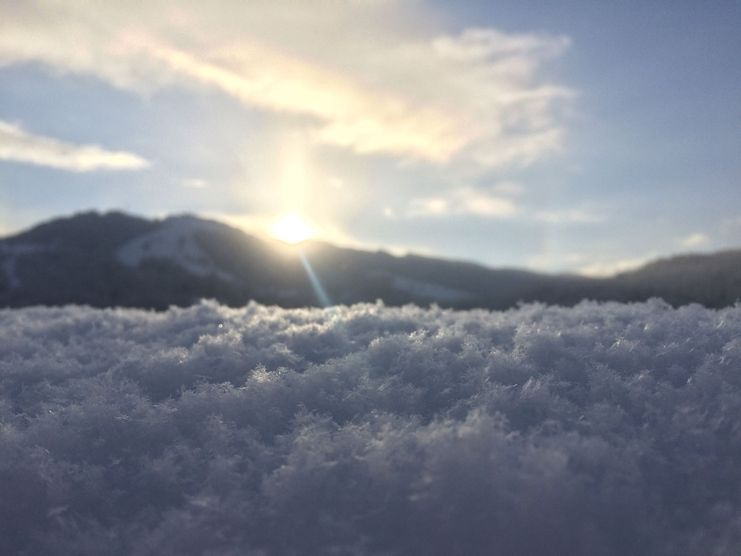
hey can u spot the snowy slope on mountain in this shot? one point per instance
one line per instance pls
(9, 255)
(175, 240)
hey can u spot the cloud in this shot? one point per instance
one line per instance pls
(18, 145)
(569, 216)
(695, 240)
(549, 260)
(493, 202)
(612, 267)
(580, 263)
(391, 85)
(194, 183)
(508, 188)
(603, 429)
(464, 201)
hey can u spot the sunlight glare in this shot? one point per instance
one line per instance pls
(291, 229)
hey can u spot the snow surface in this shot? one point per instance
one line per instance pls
(598, 430)
(175, 240)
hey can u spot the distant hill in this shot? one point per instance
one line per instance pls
(714, 279)
(115, 259)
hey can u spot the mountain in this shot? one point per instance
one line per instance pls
(115, 259)
(713, 279)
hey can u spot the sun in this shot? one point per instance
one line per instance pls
(291, 229)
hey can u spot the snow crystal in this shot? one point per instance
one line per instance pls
(603, 429)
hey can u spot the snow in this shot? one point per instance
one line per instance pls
(9, 253)
(603, 429)
(175, 240)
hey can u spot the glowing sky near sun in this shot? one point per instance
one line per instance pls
(291, 229)
(556, 136)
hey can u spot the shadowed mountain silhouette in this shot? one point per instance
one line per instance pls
(115, 259)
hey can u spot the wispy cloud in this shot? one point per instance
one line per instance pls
(463, 201)
(18, 145)
(612, 267)
(389, 87)
(696, 239)
(194, 183)
(508, 188)
(593, 264)
(569, 216)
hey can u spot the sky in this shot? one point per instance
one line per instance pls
(567, 136)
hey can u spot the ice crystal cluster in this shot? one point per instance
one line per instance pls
(603, 429)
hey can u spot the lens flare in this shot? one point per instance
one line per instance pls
(316, 285)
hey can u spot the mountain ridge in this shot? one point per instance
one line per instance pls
(117, 259)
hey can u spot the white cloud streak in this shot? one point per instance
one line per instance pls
(194, 183)
(569, 216)
(696, 239)
(463, 201)
(384, 87)
(18, 145)
(612, 267)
